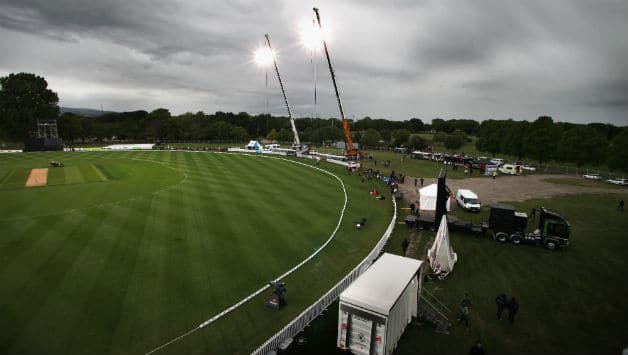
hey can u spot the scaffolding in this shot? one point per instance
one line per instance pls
(47, 129)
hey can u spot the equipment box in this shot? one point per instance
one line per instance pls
(376, 308)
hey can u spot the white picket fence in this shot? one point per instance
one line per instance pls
(313, 311)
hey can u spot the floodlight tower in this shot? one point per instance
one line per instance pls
(352, 151)
(297, 141)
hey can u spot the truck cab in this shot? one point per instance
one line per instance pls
(509, 225)
(553, 229)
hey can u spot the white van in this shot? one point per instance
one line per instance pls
(468, 200)
(510, 169)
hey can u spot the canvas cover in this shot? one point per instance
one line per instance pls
(441, 251)
(427, 198)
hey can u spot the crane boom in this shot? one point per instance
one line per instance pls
(297, 141)
(345, 123)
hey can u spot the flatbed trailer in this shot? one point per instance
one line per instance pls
(507, 225)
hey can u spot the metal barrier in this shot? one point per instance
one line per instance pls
(313, 311)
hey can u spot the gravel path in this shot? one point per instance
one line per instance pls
(511, 188)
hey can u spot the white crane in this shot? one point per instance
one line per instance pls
(297, 142)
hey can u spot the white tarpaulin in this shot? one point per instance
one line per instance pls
(441, 251)
(427, 199)
(129, 147)
(254, 145)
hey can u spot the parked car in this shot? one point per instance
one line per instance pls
(592, 177)
(497, 161)
(617, 181)
(528, 167)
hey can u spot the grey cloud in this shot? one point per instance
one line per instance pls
(398, 59)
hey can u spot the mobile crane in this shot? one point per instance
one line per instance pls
(297, 142)
(352, 151)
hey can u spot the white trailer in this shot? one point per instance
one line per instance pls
(376, 308)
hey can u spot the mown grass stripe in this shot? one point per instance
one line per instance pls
(37, 274)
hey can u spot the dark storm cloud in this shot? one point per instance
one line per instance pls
(397, 59)
(160, 28)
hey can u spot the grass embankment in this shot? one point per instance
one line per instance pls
(571, 301)
(127, 250)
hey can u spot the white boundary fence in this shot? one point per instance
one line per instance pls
(313, 311)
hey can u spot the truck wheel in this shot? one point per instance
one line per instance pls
(515, 239)
(502, 237)
(551, 245)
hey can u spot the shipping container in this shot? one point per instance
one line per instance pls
(376, 308)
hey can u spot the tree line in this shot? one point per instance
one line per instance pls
(26, 97)
(544, 140)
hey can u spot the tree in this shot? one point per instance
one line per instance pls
(439, 137)
(455, 140)
(400, 137)
(24, 98)
(285, 135)
(415, 125)
(272, 135)
(618, 152)
(371, 138)
(416, 142)
(582, 145)
(239, 133)
(70, 126)
(440, 125)
(514, 138)
(541, 142)
(155, 124)
(492, 135)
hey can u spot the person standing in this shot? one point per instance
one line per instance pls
(477, 349)
(416, 182)
(422, 182)
(501, 302)
(620, 207)
(404, 246)
(533, 213)
(464, 316)
(513, 307)
(494, 175)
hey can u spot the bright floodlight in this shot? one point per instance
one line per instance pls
(264, 56)
(312, 36)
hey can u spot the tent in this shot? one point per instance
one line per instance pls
(254, 145)
(441, 251)
(427, 200)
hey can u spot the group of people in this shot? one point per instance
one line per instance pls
(511, 305)
(385, 163)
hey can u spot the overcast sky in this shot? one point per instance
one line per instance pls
(394, 59)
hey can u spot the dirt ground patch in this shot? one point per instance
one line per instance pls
(510, 188)
(37, 177)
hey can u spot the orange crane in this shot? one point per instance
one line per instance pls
(352, 150)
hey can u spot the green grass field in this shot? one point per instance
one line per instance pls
(124, 251)
(572, 301)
